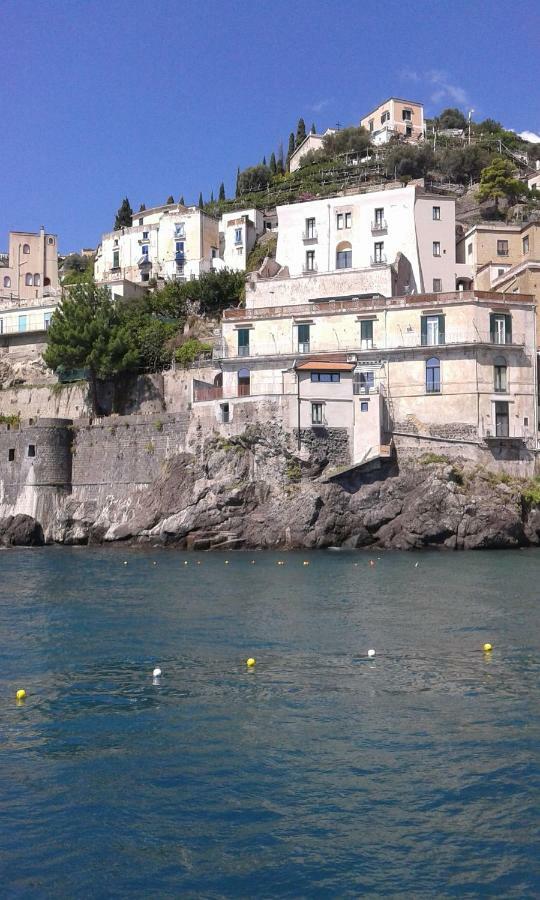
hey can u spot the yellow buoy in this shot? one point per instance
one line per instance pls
(250, 662)
(21, 694)
(487, 647)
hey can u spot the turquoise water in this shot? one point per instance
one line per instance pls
(321, 773)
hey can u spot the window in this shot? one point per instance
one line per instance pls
(502, 248)
(37, 279)
(408, 131)
(29, 279)
(363, 382)
(145, 235)
(406, 115)
(371, 124)
(303, 338)
(366, 334)
(499, 374)
(244, 383)
(1, 326)
(379, 217)
(326, 377)
(310, 260)
(225, 413)
(23, 323)
(140, 223)
(50, 240)
(47, 320)
(145, 276)
(437, 285)
(237, 235)
(116, 240)
(525, 243)
(348, 219)
(339, 221)
(7, 281)
(501, 419)
(310, 228)
(116, 259)
(31, 449)
(436, 248)
(214, 252)
(433, 376)
(364, 405)
(343, 255)
(243, 341)
(469, 249)
(436, 213)
(316, 413)
(378, 255)
(26, 248)
(500, 272)
(145, 249)
(179, 251)
(431, 330)
(179, 230)
(385, 117)
(11, 454)
(500, 328)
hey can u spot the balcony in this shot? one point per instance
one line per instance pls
(379, 226)
(310, 236)
(207, 392)
(309, 268)
(378, 260)
(180, 256)
(243, 350)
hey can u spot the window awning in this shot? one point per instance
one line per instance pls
(314, 366)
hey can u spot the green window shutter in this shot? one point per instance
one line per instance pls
(243, 337)
(441, 329)
(423, 331)
(508, 329)
(492, 328)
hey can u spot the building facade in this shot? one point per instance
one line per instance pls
(395, 118)
(238, 233)
(29, 270)
(311, 142)
(164, 243)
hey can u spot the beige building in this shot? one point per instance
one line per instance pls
(29, 270)
(395, 118)
(457, 366)
(310, 142)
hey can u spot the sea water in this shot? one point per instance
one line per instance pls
(319, 772)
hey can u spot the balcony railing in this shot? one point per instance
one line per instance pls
(378, 226)
(310, 235)
(309, 268)
(202, 393)
(243, 350)
(179, 256)
(378, 259)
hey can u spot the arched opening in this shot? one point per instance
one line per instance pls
(26, 248)
(46, 281)
(343, 255)
(29, 279)
(7, 281)
(218, 380)
(244, 383)
(500, 375)
(433, 375)
(37, 280)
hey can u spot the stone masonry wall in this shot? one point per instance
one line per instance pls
(333, 443)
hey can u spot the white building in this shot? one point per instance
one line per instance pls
(238, 233)
(167, 242)
(400, 240)
(310, 142)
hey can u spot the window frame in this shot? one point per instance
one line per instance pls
(317, 413)
(502, 247)
(325, 377)
(500, 375)
(436, 213)
(436, 248)
(432, 381)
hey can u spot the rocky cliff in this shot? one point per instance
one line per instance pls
(257, 491)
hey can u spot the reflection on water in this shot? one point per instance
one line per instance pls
(320, 773)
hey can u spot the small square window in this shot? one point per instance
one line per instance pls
(364, 405)
(469, 250)
(348, 220)
(339, 221)
(437, 285)
(11, 454)
(436, 248)
(31, 449)
(225, 413)
(502, 248)
(436, 213)
(145, 235)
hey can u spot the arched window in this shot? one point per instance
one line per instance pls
(37, 279)
(26, 248)
(243, 383)
(433, 375)
(343, 255)
(218, 380)
(7, 281)
(499, 374)
(29, 279)
(46, 281)
(51, 240)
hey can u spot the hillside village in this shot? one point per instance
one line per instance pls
(369, 303)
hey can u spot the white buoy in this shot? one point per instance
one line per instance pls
(156, 673)
(371, 653)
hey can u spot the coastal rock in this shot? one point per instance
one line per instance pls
(21, 531)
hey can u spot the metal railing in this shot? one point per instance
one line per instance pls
(309, 269)
(379, 225)
(379, 260)
(310, 235)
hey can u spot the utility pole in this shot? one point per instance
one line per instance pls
(469, 117)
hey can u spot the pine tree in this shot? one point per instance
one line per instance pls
(181, 201)
(290, 151)
(221, 195)
(300, 132)
(273, 164)
(313, 129)
(169, 200)
(124, 215)
(201, 203)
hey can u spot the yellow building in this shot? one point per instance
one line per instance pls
(29, 270)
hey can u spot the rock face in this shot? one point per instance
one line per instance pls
(21, 531)
(255, 491)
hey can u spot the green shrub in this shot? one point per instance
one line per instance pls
(192, 350)
(13, 421)
(294, 472)
(530, 493)
(427, 459)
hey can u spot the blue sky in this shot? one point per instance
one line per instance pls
(147, 98)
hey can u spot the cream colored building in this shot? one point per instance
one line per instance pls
(395, 118)
(393, 241)
(29, 270)
(170, 242)
(310, 142)
(457, 366)
(238, 233)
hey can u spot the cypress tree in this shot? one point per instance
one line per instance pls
(201, 203)
(313, 129)
(181, 201)
(237, 194)
(273, 164)
(300, 132)
(124, 215)
(264, 160)
(280, 160)
(211, 197)
(290, 151)
(142, 207)
(170, 199)
(221, 195)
